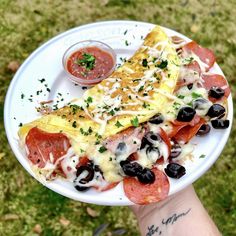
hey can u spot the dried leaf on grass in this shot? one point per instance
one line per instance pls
(10, 217)
(37, 229)
(64, 221)
(13, 66)
(195, 28)
(92, 212)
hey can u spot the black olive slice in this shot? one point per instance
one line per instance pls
(220, 124)
(186, 114)
(157, 119)
(216, 92)
(203, 130)
(130, 168)
(146, 176)
(190, 86)
(81, 188)
(216, 110)
(175, 170)
(175, 150)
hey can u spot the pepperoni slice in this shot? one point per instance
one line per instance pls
(166, 139)
(178, 125)
(127, 136)
(45, 147)
(83, 161)
(147, 193)
(205, 54)
(189, 74)
(215, 80)
(186, 133)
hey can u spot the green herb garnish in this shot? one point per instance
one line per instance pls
(102, 149)
(135, 122)
(163, 64)
(87, 61)
(145, 62)
(74, 125)
(180, 96)
(202, 156)
(196, 95)
(118, 124)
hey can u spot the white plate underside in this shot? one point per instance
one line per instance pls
(46, 62)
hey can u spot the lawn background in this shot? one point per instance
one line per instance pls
(27, 24)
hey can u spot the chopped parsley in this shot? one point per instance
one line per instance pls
(75, 108)
(89, 100)
(202, 156)
(118, 124)
(112, 112)
(176, 105)
(145, 105)
(141, 88)
(181, 96)
(86, 133)
(126, 43)
(135, 122)
(74, 125)
(163, 64)
(196, 95)
(125, 32)
(42, 80)
(87, 61)
(82, 150)
(145, 63)
(102, 149)
(22, 96)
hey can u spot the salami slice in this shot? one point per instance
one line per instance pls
(215, 80)
(45, 147)
(143, 194)
(204, 54)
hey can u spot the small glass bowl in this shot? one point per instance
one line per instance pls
(85, 44)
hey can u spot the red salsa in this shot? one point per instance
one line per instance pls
(90, 63)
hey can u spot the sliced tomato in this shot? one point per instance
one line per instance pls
(178, 125)
(147, 193)
(204, 54)
(186, 133)
(215, 80)
(45, 147)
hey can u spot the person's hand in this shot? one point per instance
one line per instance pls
(180, 214)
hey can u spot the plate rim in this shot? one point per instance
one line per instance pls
(207, 164)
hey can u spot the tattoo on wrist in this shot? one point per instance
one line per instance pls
(157, 229)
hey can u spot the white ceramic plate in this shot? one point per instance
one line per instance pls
(46, 62)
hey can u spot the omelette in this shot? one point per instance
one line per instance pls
(113, 132)
(133, 94)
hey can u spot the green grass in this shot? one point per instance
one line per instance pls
(25, 25)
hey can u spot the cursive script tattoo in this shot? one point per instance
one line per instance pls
(152, 230)
(156, 230)
(174, 218)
